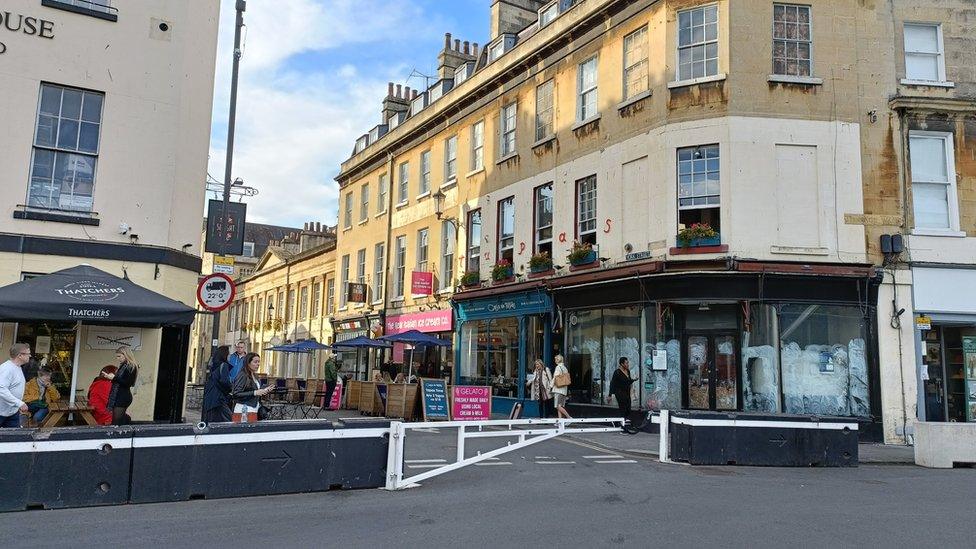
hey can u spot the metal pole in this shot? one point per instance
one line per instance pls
(229, 163)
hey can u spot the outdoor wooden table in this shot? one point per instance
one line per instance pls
(59, 411)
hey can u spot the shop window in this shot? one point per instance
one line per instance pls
(699, 186)
(792, 40)
(474, 241)
(621, 339)
(760, 361)
(933, 181)
(543, 219)
(662, 383)
(586, 210)
(584, 357)
(698, 42)
(506, 229)
(490, 355)
(824, 363)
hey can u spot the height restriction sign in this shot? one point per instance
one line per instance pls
(216, 292)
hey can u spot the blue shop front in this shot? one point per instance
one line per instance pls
(499, 338)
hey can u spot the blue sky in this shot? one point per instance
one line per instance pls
(313, 76)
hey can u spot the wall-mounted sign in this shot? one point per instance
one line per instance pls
(660, 360)
(216, 292)
(636, 256)
(427, 321)
(421, 283)
(229, 239)
(103, 338)
(923, 322)
(356, 292)
(16, 23)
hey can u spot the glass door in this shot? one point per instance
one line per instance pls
(711, 372)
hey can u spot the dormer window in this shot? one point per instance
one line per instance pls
(361, 144)
(418, 104)
(500, 46)
(395, 120)
(548, 13)
(462, 73)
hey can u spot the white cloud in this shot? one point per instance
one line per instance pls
(296, 124)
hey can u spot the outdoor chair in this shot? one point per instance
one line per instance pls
(292, 385)
(310, 406)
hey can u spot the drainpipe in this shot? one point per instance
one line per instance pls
(391, 161)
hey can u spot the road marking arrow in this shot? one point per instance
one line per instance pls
(285, 460)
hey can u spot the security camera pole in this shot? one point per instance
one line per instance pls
(228, 165)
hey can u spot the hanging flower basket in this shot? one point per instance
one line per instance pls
(582, 253)
(698, 235)
(540, 263)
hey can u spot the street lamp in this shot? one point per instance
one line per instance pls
(439, 197)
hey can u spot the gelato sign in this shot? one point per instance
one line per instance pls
(90, 291)
(16, 23)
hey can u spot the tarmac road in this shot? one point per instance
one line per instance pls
(557, 493)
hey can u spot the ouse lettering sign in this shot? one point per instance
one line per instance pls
(24, 24)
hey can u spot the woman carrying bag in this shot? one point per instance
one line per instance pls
(247, 391)
(561, 381)
(124, 378)
(540, 386)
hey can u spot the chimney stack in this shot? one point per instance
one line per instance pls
(389, 90)
(512, 16)
(395, 103)
(452, 56)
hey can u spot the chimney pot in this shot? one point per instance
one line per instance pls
(447, 40)
(399, 91)
(406, 92)
(389, 90)
(457, 44)
(414, 94)
(467, 47)
(474, 49)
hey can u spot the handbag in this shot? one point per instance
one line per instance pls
(562, 380)
(263, 412)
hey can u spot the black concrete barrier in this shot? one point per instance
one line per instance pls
(86, 466)
(716, 438)
(69, 467)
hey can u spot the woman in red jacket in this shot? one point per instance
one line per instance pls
(98, 396)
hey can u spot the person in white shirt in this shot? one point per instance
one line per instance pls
(12, 385)
(560, 394)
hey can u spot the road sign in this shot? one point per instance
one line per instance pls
(223, 264)
(923, 322)
(216, 292)
(229, 238)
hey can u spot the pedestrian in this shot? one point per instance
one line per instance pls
(247, 390)
(331, 377)
(216, 392)
(98, 393)
(39, 393)
(540, 385)
(560, 387)
(236, 360)
(620, 387)
(124, 378)
(400, 378)
(12, 385)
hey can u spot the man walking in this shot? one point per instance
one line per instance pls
(12, 385)
(331, 375)
(236, 360)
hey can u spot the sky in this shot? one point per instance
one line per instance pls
(312, 79)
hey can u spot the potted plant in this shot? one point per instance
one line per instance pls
(697, 235)
(582, 253)
(470, 279)
(540, 263)
(502, 271)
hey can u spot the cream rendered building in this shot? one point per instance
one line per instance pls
(106, 109)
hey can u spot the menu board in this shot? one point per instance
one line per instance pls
(969, 370)
(471, 402)
(434, 399)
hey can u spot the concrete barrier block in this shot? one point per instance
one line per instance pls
(945, 445)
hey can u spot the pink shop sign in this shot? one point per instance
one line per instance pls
(471, 403)
(431, 321)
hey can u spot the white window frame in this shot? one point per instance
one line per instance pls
(509, 115)
(364, 203)
(448, 246)
(400, 266)
(794, 41)
(642, 64)
(248, 249)
(361, 266)
(474, 244)
(583, 92)
(381, 195)
(450, 159)
(423, 250)
(548, 13)
(506, 241)
(379, 270)
(940, 55)
(330, 296)
(316, 299)
(303, 302)
(538, 202)
(424, 174)
(478, 146)
(951, 192)
(347, 223)
(692, 173)
(403, 183)
(344, 281)
(586, 226)
(497, 48)
(545, 128)
(704, 43)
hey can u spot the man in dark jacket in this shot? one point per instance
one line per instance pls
(216, 392)
(620, 387)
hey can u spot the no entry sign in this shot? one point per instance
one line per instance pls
(216, 292)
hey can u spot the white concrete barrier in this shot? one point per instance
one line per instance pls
(942, 445)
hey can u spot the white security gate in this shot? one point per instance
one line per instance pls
(525, 431)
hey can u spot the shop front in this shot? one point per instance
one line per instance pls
(945, 335)
(499, 337)
(765, 342)
(356, 362)
(429, 361)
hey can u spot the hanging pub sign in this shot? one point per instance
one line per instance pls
(229, 239)
(356, 292)
(421, 283)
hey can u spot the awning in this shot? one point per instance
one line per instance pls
(91, 296)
